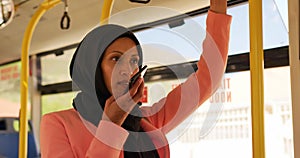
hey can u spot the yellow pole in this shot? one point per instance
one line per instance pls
(46, 5)
(257, 80)
(106, 10)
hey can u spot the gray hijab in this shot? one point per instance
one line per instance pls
(86, 73)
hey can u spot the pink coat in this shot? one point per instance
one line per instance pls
(63, 134)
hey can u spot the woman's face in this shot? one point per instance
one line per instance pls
(119, 63)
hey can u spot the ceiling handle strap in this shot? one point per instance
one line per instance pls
(140, 1)
(65, 20)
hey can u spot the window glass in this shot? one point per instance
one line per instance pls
(10, 89)
(278, 113)
(16, 126)
(57, 102)
(275, 33)
(56, 68)
(275, 23)
(165, 45)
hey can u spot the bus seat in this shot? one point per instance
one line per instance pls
(9, 139)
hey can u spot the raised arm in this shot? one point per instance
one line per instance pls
(199, 86)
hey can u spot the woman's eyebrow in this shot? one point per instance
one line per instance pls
(116, 51)
(133, 55)
(119, 52)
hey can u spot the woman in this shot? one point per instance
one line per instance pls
(107, 120)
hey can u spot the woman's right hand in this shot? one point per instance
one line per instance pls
(117, 109)
(218, 6)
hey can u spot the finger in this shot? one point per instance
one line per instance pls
(133, 90)
(125, 102)
(135, 71)
(131, 98)
(140, 91)
(110, 100)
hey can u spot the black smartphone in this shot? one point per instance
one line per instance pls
(141, 72)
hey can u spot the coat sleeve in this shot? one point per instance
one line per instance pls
(55, 141)
(108, 142)
(187, 97)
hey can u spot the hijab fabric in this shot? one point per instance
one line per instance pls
(86, 74)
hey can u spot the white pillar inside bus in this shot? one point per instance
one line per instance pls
(294, 31)
(35, 100)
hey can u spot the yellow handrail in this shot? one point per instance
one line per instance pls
(257, 78)
(106, 11)
(46, 5)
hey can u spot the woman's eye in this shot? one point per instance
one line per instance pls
(134, 61)
(115, 58)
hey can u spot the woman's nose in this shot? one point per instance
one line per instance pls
(126, 70)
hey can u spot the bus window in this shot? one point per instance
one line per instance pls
(57, 102)
(10, 89)
(56, 68)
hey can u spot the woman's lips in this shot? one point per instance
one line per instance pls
(123, 82)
